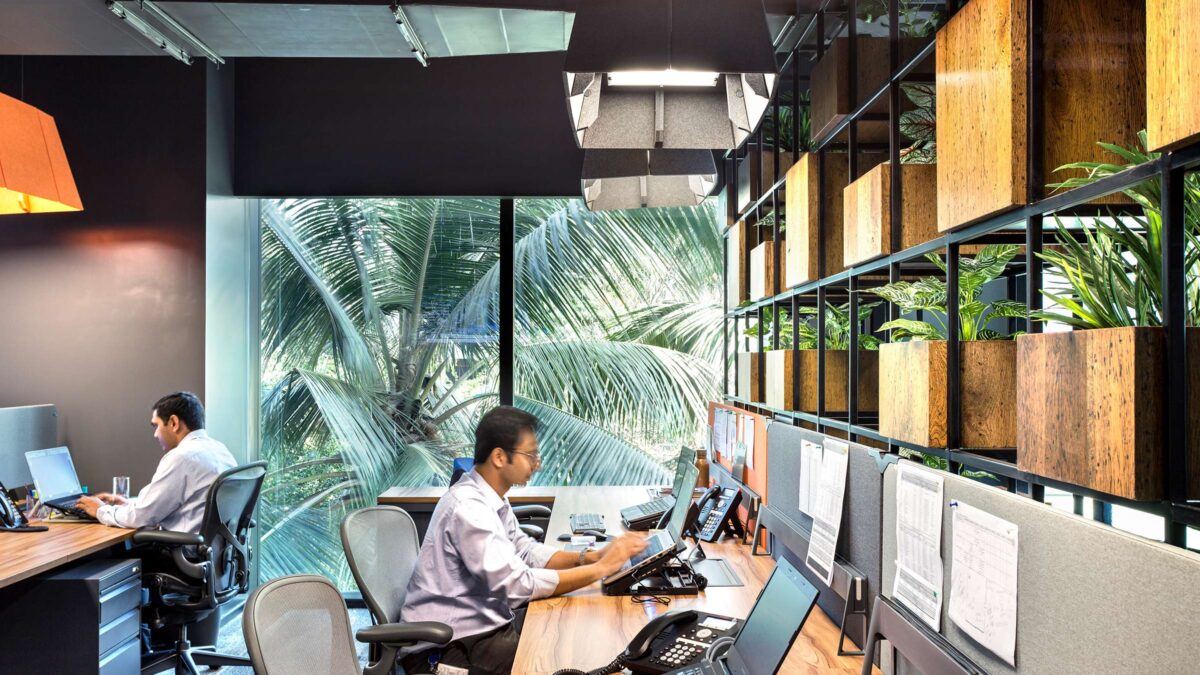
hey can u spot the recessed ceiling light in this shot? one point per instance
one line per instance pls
(662, 78)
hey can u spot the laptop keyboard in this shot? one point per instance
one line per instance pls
(70, 510)
(657, 506)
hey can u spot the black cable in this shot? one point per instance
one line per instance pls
(656, 599)
(616, 666)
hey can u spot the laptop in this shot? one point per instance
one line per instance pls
(646, 515)
(764, 641)
(54, 477)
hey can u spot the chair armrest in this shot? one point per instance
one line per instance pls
(406, 633)
(167, 537)
(531, 511)
(533, 531)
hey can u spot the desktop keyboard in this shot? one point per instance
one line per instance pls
(587, 521)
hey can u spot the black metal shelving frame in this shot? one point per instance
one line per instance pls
(1022, 225)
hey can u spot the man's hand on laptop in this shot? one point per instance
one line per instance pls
(618, 552)
(89, 505)
(109, 498)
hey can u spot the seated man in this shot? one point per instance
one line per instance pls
(175, 498)
(476, 566)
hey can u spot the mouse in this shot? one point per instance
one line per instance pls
(600, 536)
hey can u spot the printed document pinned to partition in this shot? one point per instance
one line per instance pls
(810, 474)
(731, 433)
(718, 431)
(983, 579)
(748, 439)
(919, 543)
(827, 510)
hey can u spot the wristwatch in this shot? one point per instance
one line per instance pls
(583, 556)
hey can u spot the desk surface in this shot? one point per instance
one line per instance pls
(401, 496)
(26, 554)
(586, 629)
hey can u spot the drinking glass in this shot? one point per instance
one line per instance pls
(121, 486)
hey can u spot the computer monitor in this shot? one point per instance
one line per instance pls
(685, 484)
(53, 473)
(24, 428)
(782, 607)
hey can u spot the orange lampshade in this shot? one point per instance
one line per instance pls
(34, 174)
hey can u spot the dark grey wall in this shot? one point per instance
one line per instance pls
(102, 311)
(489, 126)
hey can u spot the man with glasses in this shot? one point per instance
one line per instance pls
(476, 566)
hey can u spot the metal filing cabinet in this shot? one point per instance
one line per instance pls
(82, 619)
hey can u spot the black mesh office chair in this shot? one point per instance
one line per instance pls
(202, 571)
(525, 514)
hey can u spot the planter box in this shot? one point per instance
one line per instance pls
(868, 214)
(748, 373)
(1172, 73)
(800, 210)
(1094, 73)
(762, 270)
(751, 184)
(782, 371)
(737, 280)
(1091, 409)
(830, 80)
(912, 397)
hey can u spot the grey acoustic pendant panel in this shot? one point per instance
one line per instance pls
(631, 179)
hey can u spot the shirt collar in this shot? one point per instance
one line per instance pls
(199, 433)
(493, 500)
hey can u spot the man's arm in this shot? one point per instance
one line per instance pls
(608, 561)
(163, 496)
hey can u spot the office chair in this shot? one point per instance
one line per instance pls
(524, 514)
(204, 570)
(299, 624)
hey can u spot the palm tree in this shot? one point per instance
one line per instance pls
(380, 351)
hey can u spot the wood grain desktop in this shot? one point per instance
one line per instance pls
(27, 554)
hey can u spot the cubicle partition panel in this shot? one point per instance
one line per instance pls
(24, 428)
(858, 550)
(1090, 598)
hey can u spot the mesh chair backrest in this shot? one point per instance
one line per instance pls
(299, 625)
(381, 546)
(227, 514)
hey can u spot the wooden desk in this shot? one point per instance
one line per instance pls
(586, 629)
(27, 554)
(404, 496)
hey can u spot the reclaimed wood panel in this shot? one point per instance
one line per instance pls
(781, 369)
(912, 399)
(868, 214)
(837, 380)
(748, 373)
(762, 270)
(737, 280)
(28, 554)
(1093, 78)
(830, 90)
(802, 199)
(1173, 75)
(1092, 409)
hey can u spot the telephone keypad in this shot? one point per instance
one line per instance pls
(687, 648)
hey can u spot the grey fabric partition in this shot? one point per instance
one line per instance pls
(24, 428)
(859, 540)
(1090, 598)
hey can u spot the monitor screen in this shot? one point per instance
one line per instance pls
(53, 473)
(678, 488)
(781, 610)
(686, 484)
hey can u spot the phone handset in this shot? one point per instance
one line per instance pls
(641, 645)
(11, 518)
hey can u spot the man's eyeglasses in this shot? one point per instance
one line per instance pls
(534, 457)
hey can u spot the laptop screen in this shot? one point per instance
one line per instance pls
(687, 458)
(773, 624)
(53, 473)
(685, 484)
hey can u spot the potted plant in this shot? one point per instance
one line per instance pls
(1092, 409)
(912, 367)
(867, 201)
(782, 367)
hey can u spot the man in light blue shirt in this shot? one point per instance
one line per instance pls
(476, 566)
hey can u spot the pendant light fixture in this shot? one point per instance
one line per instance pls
(34, 174)
(675, 74)
(631, 179)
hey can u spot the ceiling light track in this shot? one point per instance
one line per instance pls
(409, 32)
(170, 22)
(155, 36)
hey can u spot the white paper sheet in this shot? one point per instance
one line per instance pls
(748, 439)
(731, 433)
(919, 543)
(810, 474)
(827, 510)
(719, 433)
(983, 579)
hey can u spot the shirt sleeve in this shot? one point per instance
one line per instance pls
(532, 551)
(162, 497)
(487, 552)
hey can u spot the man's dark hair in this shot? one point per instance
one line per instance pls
(183, 404)
(501, 427)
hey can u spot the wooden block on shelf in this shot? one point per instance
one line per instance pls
(830, 90)
(868, 215)
(1172, 73)
(912, 397)
(737, 281)
(748, 372)
(1091, 411)
(837, 380)
(801, 210)
(1094, 75)
(762, 271)
(781, 369)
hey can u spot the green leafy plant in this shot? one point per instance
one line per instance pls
(915, 20)
(837, 327)
(920, 124)
(1113, 277)
(929, 295)
(787, 121)
(769, 221)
